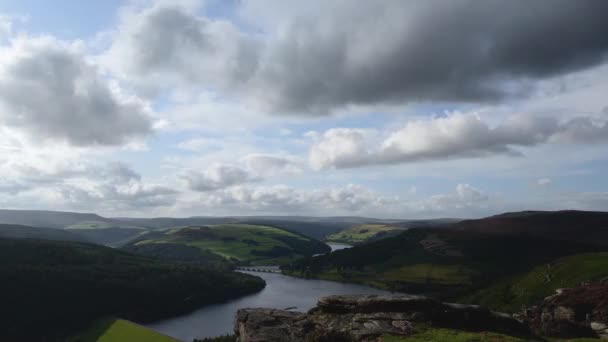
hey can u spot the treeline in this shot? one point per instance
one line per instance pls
(51, 289)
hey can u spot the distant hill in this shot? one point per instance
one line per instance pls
(19, 231)
(462, 257)
(364, 233)
(54, 289)
(106, 231)
(50, 219)
(241, 243)
(311, 226)
(369, 232)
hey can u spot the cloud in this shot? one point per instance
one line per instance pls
(269, 165)
(457, 135)
(50, 91)
(544, 182)
(168, 42)
(340, 147)
(79, 184)
(283, 199)
(217, 176)
(317, 57)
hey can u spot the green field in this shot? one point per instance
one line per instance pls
(120, 330)
(513, 293)
(240, 243)
(364, 233)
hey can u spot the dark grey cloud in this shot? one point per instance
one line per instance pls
(342, 53)
(49, 90)
(396, 51)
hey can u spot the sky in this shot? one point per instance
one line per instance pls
(388, 108)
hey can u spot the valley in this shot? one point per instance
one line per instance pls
(506, 263)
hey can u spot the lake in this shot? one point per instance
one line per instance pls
(281, 292)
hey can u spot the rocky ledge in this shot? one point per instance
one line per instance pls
(366, 318)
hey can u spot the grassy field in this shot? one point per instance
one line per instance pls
(363, 233)
(119, 330)
(242, 243)
(448, 335)
(513, 293)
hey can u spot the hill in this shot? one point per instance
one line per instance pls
(43, 218)
(311, 226)
(569, 225)
(20, 232)
(450, 261)
(90, 227)
(61, 287)
(513, 293)
(242, 243)
(364, 233)
(111, 236)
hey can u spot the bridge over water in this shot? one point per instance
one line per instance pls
(267, 269)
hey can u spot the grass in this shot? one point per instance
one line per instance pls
(513, 293)
(363, 233)
(248, 244)
(119, 330)
(448, 335)
(435, 273)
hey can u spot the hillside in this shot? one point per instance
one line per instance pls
(111, 236)
(571, 225)
(51, 219)
(241, 243)
(20, 232)
(364, 233)
(451, 262)
(61, 287)
(119, 330)
(90, 227)
(522, 290)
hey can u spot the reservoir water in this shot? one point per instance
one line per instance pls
(281, 292)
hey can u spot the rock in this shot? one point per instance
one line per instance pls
(576, 312)
(366, 318)
(596, 326)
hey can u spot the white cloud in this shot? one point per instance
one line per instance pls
(281, 199)
(77, 184)
(50, 91)
(457, 135)
(340, 147)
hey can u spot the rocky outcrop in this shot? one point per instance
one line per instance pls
(366, 318)
(577, 312)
